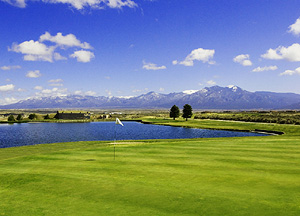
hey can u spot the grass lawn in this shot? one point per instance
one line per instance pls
(217, 176)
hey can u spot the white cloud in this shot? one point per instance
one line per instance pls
(38, 88)
(58, 57)
(109, 93)
(5, 88)
(78, 92)
(295, 28)
(291, 53)
(16, 3)
(107, 77)
(266, 68)
(52, 92)
(161, 89)
(125, 97)
(80, 4)
(21, 90)
(83, 56)
(55, 81)
(211, 82)
(34, 51)
(56, 84)
(190, 91)
(121, 3)
(87, 93)
(11, 67)
(39, 51)
(69, 40)
(200, 54)
(90, 93)
(7, 100)
(151, 66)
(33, 74)
(290, 72)
(243, 59)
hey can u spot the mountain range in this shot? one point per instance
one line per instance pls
(215, 97)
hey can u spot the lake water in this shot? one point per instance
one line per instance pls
(38, 133)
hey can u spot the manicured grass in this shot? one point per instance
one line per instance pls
(218, 176)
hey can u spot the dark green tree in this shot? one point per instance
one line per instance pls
(56, 115)
(174, 112)
(19, 117)
(32, 116)
(11, 118)
(47, 116)
(187, 111)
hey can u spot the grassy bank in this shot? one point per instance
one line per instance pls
(218, 176)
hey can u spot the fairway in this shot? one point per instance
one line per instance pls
(216, 176)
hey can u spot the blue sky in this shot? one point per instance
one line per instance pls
(130, 47)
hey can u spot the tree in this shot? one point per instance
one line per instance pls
(174, 112)
(187, 111)
(32, 116)
(11, 118)
(47, 116)
(19, 117)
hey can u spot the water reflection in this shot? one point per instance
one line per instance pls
(38, 133)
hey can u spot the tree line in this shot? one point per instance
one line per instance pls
(187, 112)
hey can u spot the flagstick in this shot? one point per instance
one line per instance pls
(115, 143)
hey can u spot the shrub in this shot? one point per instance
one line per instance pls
(19, 117)
(11, 118)
(32, 116)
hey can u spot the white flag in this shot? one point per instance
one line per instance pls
(119, 122)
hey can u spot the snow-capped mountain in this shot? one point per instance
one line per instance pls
(215, 97)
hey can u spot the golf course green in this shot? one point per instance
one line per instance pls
(208, 176)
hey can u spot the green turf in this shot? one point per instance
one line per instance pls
(218, 176)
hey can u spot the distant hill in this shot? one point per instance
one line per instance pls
(214, 97)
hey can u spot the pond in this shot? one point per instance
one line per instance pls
(37, 133)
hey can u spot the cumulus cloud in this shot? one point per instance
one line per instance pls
(80, 4)
(69, 40)
(190, 91)
(291, 53)
(211, 82)
(87, 93)
(38, 88)
(200, 54)
(295, 28)
(290, 72)
(11, 67)
(33, 74)
(39, 51)
(266, 68)
(16, 3)
(55, 81)
(52, 92)
(83, 56)
(5, 88)
(21, 90)
(34, 51)
(151, 66)
(8, 100)
(243, 59)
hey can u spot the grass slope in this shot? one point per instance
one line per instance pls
(218, 176)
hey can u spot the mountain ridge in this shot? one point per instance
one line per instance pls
(215, 97)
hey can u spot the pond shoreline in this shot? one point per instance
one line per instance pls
(267, 132)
